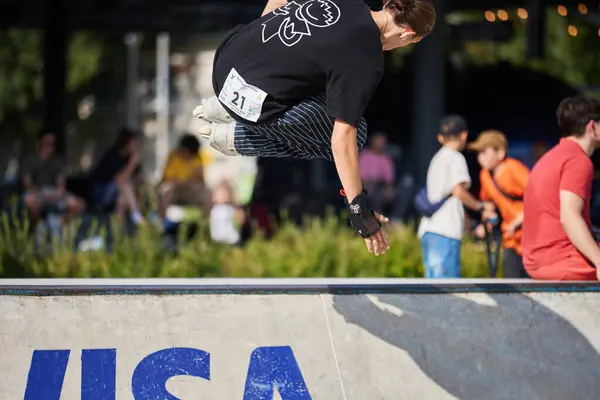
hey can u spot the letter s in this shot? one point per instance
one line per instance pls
(152, 373)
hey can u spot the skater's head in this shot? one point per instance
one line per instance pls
(189, 146)
(404, 22)
(378, 142)
(453, 132)
(491, 147)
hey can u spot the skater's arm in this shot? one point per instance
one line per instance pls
(345, 156)
(362, 218)
(272, 5)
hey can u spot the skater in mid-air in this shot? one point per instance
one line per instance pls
(296, 82)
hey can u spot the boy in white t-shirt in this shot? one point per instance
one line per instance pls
(448, 181)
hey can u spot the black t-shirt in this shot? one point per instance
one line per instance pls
(305, 48)
(111, 163)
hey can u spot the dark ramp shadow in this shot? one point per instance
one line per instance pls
(517, 350)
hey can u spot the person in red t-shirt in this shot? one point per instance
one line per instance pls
(557, 240)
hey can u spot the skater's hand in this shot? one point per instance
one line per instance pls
(379, 242)
(367, 223)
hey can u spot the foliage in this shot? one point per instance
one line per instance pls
(572, 59)
(321, 248)
(21, 73)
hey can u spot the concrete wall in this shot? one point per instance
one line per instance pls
(309, 346)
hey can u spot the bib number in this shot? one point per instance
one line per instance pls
(243, 99)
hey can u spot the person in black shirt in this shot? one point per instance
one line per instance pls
(111, 179)
(296, 82)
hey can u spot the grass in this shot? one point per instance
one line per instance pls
(319, 248)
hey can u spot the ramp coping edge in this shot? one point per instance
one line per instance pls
(180, 286)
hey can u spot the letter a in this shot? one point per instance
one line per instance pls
(274, 367)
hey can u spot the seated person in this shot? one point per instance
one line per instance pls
(183, 178)
(45, 182)
(378, 172)
(112, 178)
(557, 239)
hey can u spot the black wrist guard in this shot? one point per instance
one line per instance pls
(362, 217)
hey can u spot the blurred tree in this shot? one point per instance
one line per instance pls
(20, 70)
(572, 50)
(572, 59)
(21, 79)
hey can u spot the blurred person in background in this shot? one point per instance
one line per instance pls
(296, 82)
(448, 183)
(112, 178)
(558, 242)
(503, 181)
(183, 177)
(45, 182)
(538, 149)
(378, 172)
(225, 217)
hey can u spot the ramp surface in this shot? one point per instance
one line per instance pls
(299, 339)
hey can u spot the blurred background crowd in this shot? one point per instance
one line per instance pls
(96, 124)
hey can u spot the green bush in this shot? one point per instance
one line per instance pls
(321, 248)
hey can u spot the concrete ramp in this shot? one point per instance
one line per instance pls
(299, 340)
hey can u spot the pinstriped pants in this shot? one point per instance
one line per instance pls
(304, 131)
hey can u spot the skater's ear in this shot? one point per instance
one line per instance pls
(420, 15)
(408, 35)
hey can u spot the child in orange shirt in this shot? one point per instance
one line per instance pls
(503, 182)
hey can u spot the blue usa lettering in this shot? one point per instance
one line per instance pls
(269, 368)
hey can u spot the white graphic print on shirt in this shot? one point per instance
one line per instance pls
(294, 20)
